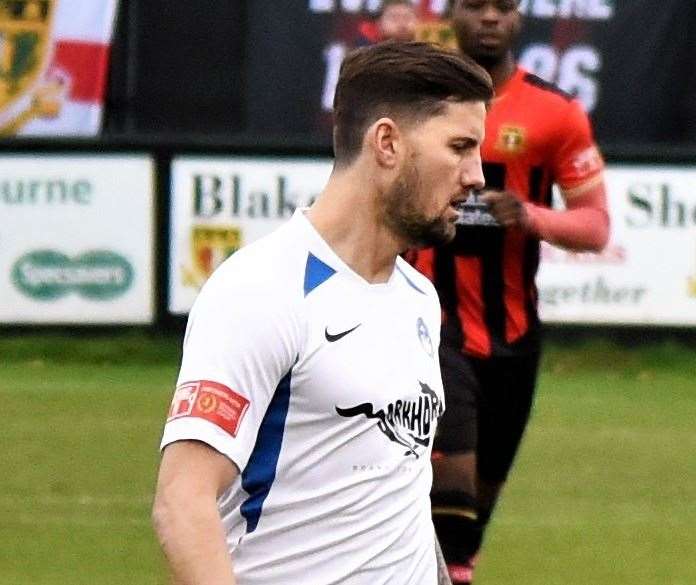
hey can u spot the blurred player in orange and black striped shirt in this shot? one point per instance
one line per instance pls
(536, 135)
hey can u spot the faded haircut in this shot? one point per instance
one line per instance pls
(409, 82)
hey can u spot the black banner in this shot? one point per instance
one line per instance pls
(630, 62)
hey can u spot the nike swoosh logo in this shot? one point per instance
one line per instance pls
(332, 338)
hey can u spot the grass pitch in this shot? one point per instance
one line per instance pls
(604, 491)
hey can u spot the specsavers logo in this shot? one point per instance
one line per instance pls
(47, 275)
(27, 89)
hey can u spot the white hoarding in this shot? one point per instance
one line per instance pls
(221, 204)
(647, 274)
(76, 239)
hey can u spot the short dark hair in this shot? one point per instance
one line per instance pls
(411, 81)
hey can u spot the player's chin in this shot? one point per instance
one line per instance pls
(450, 231)
(448, 227)
(451, 214)
(488, 54)
(436, 233)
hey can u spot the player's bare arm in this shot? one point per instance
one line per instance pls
(582, 226)
(191, 477)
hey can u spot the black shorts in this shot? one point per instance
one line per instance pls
(488, 402)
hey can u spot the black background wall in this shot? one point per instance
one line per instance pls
(177, 67)
(260, 67)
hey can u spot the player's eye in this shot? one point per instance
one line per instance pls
(461, 146)
(473, 4)
(506, 5)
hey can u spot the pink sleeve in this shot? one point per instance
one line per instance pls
(582, 226)
(575, 157)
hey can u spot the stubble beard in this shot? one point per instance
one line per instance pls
(406, 221)
(486, 60)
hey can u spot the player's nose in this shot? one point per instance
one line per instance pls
(472, 175)
(490, 13)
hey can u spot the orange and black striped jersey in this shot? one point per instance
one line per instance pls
(536, 135)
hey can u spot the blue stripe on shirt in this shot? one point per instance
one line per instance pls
(260, 472)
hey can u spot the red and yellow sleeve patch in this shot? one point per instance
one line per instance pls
(583, 188)
(587, 162)
(210, 401)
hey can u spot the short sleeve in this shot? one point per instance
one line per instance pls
(241, 341)
(576, 158)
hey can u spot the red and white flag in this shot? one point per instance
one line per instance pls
(54, 57)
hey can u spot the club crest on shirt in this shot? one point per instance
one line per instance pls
(511, 139)
(408, 423)
(424, 336)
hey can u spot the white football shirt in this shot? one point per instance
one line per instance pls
(325, 391)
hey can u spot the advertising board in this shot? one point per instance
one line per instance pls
(219, 205)
(646, 275)
(76, 239)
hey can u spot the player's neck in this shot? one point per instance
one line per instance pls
(501, 71)
(346, 217)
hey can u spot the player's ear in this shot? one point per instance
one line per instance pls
(385, 141)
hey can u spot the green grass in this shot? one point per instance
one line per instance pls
(81, 426)
(604, 491)
(605, 487)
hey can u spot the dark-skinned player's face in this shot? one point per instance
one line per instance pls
(486, 29)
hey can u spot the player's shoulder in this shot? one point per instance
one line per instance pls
(556, 107)
(270, 267)
(253, 296)
(545, 90)
(414, 279)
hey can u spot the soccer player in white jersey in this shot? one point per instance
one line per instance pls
(297, 448)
